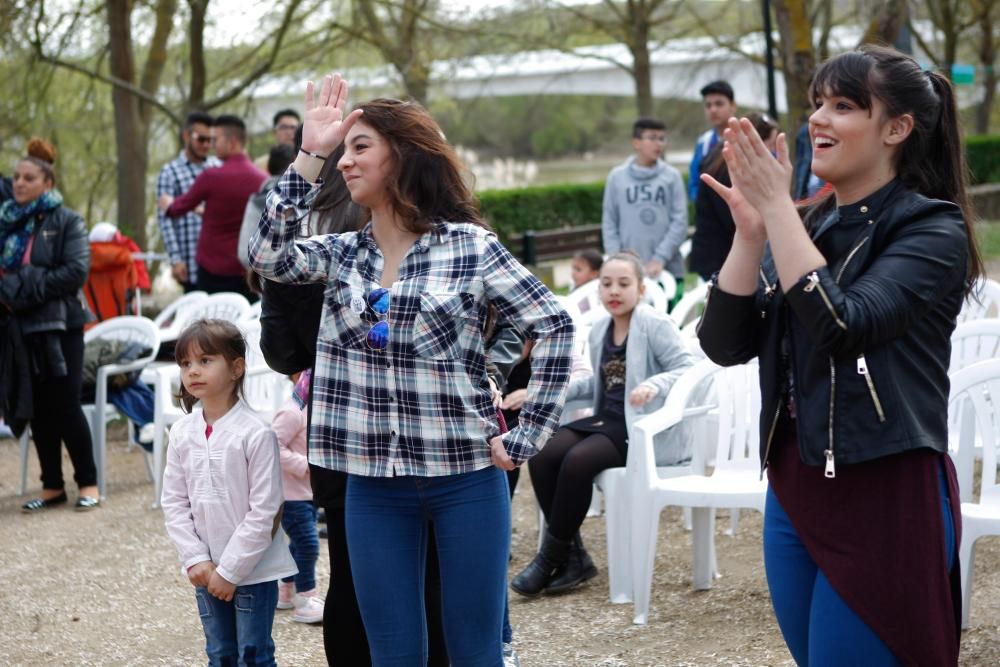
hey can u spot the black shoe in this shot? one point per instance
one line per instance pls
(39, 504)
(578, 569)
(550, 559)
(86, 503)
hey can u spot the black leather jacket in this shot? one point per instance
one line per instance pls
(45, 294)
(869, 336)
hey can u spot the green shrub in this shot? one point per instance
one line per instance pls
(983, 155)
(512, 212)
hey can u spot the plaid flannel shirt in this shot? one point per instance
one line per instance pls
(422, 405)
(180, 234)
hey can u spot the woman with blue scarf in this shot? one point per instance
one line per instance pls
(44, 261)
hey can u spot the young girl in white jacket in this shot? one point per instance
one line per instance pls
(222, 498)
(637, 353)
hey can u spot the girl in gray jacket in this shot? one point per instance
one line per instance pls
(637, 353)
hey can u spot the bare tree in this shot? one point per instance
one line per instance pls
(136, 89)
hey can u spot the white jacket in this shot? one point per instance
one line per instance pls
(222, 497)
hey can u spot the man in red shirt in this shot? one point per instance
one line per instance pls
(224, 192)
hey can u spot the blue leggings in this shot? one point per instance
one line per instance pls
(817, 625)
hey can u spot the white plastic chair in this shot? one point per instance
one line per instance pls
(127, 328)
(689, 308)
(983, 304)
(735, 482)
(975, 391)
(171, 320)
(974, 341)
(971, 342)
(612, 486)
(220, 306)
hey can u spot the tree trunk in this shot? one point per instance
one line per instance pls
(794, 26)
(131, 133)
(987, 60)
(887, 23)
(196, 58)
(642, 72)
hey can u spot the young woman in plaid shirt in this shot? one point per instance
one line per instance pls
(402, 402)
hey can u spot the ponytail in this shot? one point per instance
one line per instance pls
(944, 169)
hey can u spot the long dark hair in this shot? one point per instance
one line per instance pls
(931, 160)
(425, 186)
(211, 337)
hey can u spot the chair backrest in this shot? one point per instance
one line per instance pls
(974, 410)
(263, 389)
(974, 341)
(728, 397)
(736, 391)
(221, 306)
(983, 303)
(690, 306)
(127, 328)
(168, 315)
(657, 296)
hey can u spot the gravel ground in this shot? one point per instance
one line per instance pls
(104, 588)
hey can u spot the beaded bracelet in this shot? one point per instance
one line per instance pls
(315, 155)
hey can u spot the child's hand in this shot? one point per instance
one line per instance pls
(641, 395)
(200, 573)
(515, 399)
(221, 588)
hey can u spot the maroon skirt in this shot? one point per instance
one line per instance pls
(876, 531)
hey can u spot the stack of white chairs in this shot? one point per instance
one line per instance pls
(984, 302)
(128, 328)
(974, 413)
(733, 403)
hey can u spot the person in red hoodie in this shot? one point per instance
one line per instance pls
(224, 192)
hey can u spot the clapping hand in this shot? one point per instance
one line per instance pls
(758, 178)
(324, 125)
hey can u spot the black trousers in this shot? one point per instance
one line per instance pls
(213, 283)
(563, 473)
(59, 419)
(344, 638)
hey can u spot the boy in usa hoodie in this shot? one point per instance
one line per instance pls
(645, 206)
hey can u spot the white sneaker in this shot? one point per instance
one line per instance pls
(286, 595)
(510, 658)
(308, 608)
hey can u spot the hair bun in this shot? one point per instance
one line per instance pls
(41, 149)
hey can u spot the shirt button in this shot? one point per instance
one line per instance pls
(392, 433)
(864, 209)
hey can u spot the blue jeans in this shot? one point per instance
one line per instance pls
(387, 541)
(239, 632)
(299, 521)
(817, 625)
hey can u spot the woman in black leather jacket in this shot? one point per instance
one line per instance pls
(44, 260)
(851, 315)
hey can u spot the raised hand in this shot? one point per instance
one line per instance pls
(763, 179)
(749, 223)
(324, 125)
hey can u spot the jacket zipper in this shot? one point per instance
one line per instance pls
(863, 370)
(849, 258)
(829, 472)
(815, 283)
(770, 436)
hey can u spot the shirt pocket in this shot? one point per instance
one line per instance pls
(444, 318)
(341, 326)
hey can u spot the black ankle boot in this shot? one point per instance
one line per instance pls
(550, 559)
(578, 569)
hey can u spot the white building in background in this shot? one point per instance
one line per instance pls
(679, 69)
